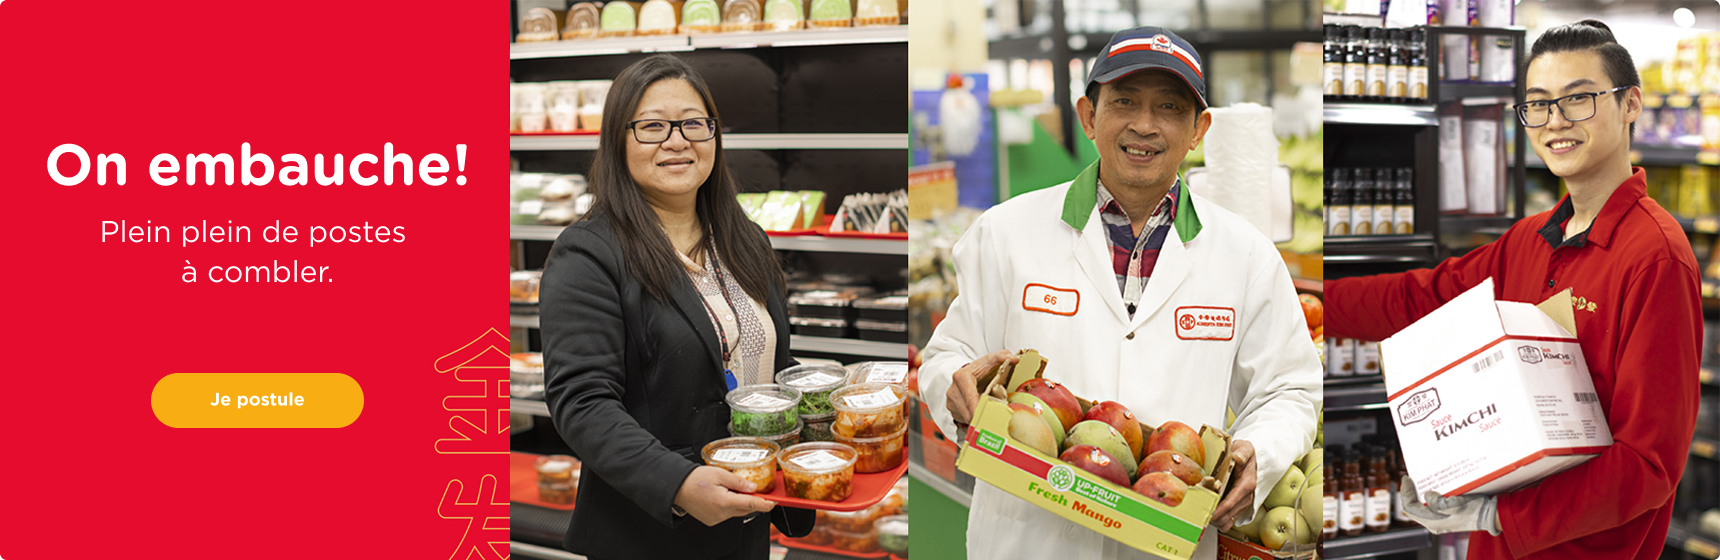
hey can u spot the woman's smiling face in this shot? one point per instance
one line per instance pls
(675, 168)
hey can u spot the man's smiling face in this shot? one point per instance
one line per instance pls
(1143, 125)
(1574, 150)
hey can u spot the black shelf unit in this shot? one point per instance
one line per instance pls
(1055, 45)
(1369, 545)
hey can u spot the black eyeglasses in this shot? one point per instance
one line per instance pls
(656, 131)
(1575, 107)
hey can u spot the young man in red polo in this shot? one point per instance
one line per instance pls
(1634, 282)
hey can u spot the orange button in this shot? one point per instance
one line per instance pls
(257, 400)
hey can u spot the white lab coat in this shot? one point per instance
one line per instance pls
(1022, 262)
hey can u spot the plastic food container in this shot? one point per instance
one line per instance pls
(581, 21)
(893, 309)
(523, 291)
(817, 428)
(882, 331)
(815, 383)
(525, 375)
(701, 16)
(823, 304)
(782, 15)
(876, 454)
(869, 410)
(866, 541)
(819, 536)
(560, 494)
(828, 328)
(892, 533)
(763, 410)
(877, 12)
(741, 16)
(556, 469)
(618, 19)
(752, 458)
(659, 17)
(539, 24)
(830, 13)
(893, 373)
(782, 440)
(818, 471)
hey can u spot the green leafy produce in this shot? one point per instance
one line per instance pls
(814, 404)
(764, 424)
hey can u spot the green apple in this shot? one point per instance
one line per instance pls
(1281, 527)
(1251, 531)
(1311, 464)
(1310, 506)
(1284, 494)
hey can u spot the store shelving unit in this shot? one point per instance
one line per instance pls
(552, 142)
(1370, 545)
(782, 243)
(675, 43)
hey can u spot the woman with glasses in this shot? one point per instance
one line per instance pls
(1633, 285)
(656, 304)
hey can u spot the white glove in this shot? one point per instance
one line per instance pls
(1450, 515)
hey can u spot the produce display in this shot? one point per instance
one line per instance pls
(818, 471)
(815, 383)
(869, 410)
(753, 459)
(1293, 512)
(764, 410)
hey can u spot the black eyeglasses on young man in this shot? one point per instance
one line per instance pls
(1574, 107)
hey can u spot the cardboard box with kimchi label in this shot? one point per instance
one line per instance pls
(991, 455)
(1489, 396)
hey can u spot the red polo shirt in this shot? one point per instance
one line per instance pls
(1634, 282)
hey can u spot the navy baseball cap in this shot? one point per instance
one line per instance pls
(1146, 48)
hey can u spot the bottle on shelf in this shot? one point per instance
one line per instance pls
(1417, 65)
(1355, 63)
(1399, 471)
(1362, 202)
(1379, 499)
(1338, 206)
(1378, 64)
(1352, 504)
(1384, 207)
(1332, 84)
(1329, 500)
(1367, 357)
(1397, 66)
(1403, 222)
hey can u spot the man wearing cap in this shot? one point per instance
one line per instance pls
(1136, 291)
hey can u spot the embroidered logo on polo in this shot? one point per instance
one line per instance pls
(1205, 323)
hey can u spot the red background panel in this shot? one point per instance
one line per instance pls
(85, 468)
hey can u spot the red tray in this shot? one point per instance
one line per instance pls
(794, 543)
(865, 490)
(522, 481)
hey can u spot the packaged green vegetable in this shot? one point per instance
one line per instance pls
(764, 410)
(815, 383)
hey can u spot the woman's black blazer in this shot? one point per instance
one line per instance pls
(634, 385)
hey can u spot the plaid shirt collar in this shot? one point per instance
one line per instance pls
(1132, 257)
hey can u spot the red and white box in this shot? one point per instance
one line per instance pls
(1489, 396)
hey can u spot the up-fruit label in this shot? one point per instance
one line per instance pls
(1205, 323)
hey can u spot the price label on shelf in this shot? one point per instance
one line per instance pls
(761, 400)
(818, 461)
(1708, 224)
(733, 455)
(871, 400)
(817, 379)
(1703, 448)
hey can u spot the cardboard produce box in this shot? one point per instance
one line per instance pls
(1236, 549)
(991, 455)
(1489, 396)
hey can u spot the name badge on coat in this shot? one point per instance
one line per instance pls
(1047, 299)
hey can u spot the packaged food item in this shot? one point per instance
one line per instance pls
(815, 383)
(701, 16)
(817, 428)
(764, 410)
(892, 533)
(893, 373)
(752, 458)
(741, 16)
(523, 290)
(891, 308)
(783, 440)
(877, 12)
(659, 17)
(560, 494)
(619, 19)
(882, 331)
(830, 304)
(862, 542)
(582, 21)
(876, 454)
(869, 410)
(592, 94)
(820, 535)
(556, 469)
(525, 375)
(827, 328)
(563, 110)
(818, 471)
(782, 15)
(830, 13)
(539, 24)
(532, 106)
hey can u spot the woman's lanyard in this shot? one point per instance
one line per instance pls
(722, 335)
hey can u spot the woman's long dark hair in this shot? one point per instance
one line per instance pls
(650, 257)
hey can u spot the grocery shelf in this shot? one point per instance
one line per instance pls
(1494, 225)
(1347, 394)
(1378, 113)
(816, 243)
(1376, 544)
(1381, 249)
(529, 406)
(1478, 93)
(1667, 156)
(1682, 538)
(517, 549)
(848, 346)
(1705, 448)
(945, 487)
(523, 321)
(738, 141)
(1700, 224)
(666, 43)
